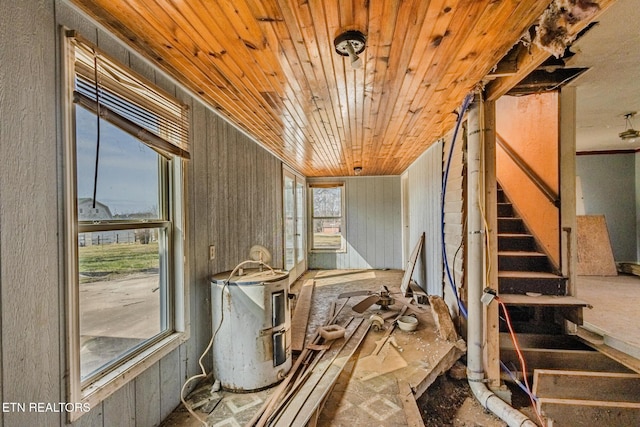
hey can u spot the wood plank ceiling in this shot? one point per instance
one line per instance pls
(270, 66)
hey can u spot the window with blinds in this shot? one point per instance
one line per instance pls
(120, 97)
(127, 143)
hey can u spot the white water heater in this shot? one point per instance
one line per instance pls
(250, 311)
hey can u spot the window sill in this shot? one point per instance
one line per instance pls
(104, 387)
(328, 251)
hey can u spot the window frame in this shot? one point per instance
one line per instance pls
(97, 388)
(312, 217)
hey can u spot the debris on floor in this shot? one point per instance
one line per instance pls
(360, 376)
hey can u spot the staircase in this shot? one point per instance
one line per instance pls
(522, 267)
(575, 384)
(527, 279)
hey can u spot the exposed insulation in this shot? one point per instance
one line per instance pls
(553, 34)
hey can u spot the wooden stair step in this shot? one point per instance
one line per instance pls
(523, 261)
(575, 398)
(561, 359)
(582, 413)
(505, 210)
(516, 242)
(511, 225)
(543, 300)
(568, 307)
(587, 385)
(521, 282)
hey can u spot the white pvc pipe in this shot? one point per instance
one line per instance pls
(475, 274)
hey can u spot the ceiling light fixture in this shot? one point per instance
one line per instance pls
(357, 170)
(351, 43)
(629, 134)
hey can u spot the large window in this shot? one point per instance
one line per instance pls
(327, 217)
(126, 145)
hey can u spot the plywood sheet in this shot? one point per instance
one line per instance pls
(595, 257)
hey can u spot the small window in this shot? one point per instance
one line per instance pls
(327, 217)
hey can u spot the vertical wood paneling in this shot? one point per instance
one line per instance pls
(93, 418)
(234, 199)
(423, 191)
(371, 226)
(147, 397)
(170, 383)
(454, 208)
(120, 408)
(200, 238)
(30, 291)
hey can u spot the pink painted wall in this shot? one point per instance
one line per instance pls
(530, 125)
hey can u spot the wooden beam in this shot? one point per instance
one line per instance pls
(492, 323)
(597, 342)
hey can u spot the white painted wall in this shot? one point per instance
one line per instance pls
(373, 225)
(424, 215)
(234, 201)
(609, 189)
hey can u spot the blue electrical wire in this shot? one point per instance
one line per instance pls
(463, 109)
(463, 310)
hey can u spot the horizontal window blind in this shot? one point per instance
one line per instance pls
(128, 101)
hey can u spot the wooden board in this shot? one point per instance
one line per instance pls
(569, 413)
(595, 256)
(302, 406)
(539, 358)
(408, 272)
(301, 316)
(587, 385)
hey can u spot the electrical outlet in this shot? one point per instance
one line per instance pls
(212, 252)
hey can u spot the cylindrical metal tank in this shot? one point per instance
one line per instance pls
(250, 312)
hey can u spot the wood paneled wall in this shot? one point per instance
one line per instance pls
(233, 197)
(424, 215)
(373, 225)
(454, 217)
(29, 261)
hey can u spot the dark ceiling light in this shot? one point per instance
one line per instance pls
(629, 134)
(357, 170)
(351, 43)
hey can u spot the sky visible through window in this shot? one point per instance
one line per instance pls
(127, 171)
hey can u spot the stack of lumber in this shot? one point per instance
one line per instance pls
(299, 398)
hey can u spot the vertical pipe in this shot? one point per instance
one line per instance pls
(474, 244)
(475, 275)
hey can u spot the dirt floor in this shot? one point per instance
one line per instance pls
(449, 402)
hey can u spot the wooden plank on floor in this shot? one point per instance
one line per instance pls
(567, 412)
(301, 316)
(587, 385)
(306, 402)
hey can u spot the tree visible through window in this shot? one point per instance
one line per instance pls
(327, 220)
